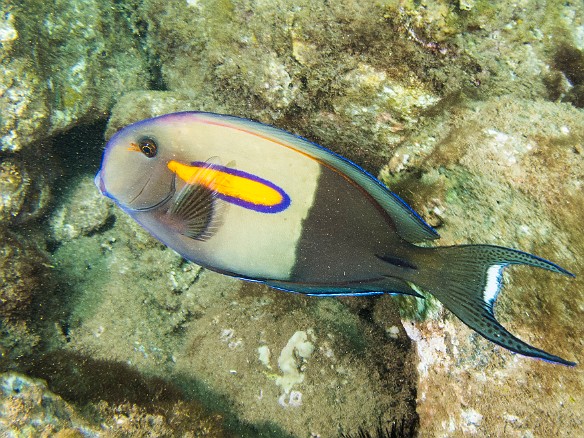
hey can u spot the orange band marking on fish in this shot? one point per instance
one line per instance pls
(234, 186)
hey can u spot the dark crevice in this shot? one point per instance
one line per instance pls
(568, 60)
(156, 81)
(79, 150)
(404, 428)
(156, 78)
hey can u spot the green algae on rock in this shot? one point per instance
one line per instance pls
(510, 169)
(60, 68)
(24, 272)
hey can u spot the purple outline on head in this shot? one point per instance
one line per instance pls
(277, 208)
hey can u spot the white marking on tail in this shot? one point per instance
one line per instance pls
(493, 283)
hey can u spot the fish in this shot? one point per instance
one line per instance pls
(255, 202)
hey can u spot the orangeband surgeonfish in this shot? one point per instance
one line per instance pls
(255, 202)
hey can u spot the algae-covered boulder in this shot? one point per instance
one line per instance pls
(29, 408)
(307, 66)
(60, 68)
(359, 76)
(508, 172)
(86, 213)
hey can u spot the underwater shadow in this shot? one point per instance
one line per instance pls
(82, 380)
(79, 150)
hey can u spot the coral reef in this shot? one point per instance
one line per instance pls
(510, 172)
(74, 72)
(16, 341)
(472, 109)
(323, 66)
(23, 96)
(179, 418)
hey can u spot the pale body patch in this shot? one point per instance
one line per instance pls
(248, 242)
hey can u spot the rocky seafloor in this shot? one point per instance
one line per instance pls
(472, 111)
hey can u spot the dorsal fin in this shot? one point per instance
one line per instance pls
(409, 225)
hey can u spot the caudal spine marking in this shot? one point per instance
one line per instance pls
(493, 283)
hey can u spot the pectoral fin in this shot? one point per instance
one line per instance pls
(196, 211)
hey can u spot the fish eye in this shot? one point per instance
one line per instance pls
(148, 147)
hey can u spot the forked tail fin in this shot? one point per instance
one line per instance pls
(467, 280)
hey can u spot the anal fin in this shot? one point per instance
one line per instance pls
(379, 286)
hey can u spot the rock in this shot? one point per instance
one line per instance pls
(14, 186)
(66, 76)
(24, 272)
(324, 67)
(139, 105)
(374, 69)
(85, 212)
(25, 192)
(508, 172)
(28, 408)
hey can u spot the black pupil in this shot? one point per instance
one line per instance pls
(148, 147)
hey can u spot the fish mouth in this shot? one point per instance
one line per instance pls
(98, 180)
(99, 184)
(162, 202)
